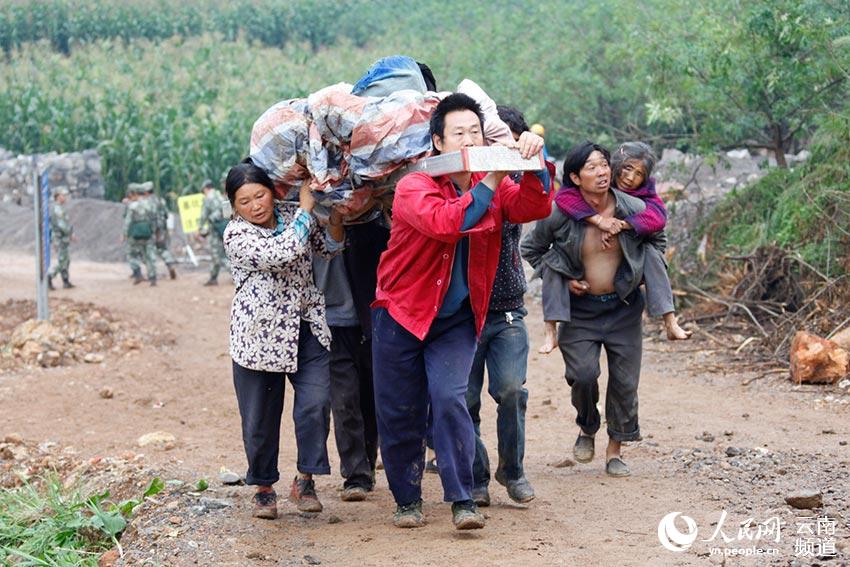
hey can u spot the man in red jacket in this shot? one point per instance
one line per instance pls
(434, 285)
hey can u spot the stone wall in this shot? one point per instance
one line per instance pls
(79, 172)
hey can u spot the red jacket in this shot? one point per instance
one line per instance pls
(414, 271)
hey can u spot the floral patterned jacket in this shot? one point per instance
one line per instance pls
(273, 274)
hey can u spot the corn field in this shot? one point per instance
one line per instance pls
(67, 23)
(174, 115)
(167, 90)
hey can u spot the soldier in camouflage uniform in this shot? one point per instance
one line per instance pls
(139, 227)
(214, 217)
(162, 240)
(61, 233)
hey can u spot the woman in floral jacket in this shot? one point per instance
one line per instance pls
(278, 330)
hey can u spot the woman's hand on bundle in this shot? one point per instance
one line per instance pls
(305, 198)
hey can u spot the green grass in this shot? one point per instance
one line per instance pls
(44, 523)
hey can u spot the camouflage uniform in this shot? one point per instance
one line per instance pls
(139, 220)
(162, 240)
(214, 213)
(60, 234)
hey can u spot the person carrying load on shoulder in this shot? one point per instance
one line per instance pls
(279, 331)
(434, 286)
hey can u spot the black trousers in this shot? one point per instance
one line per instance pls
(260, 398)
(353, 406)
(607, 321)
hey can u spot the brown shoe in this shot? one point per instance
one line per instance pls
(303, 495)
(353, 494)
(265, 505)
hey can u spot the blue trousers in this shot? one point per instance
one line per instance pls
(260, 398)
(408, 373)
(503, 348)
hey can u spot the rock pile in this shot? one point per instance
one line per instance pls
(76, 332)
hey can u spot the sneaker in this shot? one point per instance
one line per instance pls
(481, 496)
(265, 505)
(583, 449)
(409, 515)
(465, 516)
(303, 495)
(353, 493)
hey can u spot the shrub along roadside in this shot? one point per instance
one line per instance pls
(805, 211)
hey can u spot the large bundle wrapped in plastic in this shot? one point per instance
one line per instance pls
(391, 132)
(341, 140)
(333, 113)
(390, 74)
(280, 143)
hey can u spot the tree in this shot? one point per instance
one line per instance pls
(755, 73)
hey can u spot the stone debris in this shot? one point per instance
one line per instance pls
(156, 438)
(842, 338)
(805, 499)
(228, 477)
(817, 360)
(76, 332)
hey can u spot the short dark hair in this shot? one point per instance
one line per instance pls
(244, 173)
(428, 76)
(513, 118)
(577, 157)
(453, 103)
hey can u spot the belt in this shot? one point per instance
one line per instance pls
(602, 298)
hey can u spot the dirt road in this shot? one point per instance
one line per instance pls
(709, 445)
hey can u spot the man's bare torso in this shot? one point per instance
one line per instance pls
(600, 265)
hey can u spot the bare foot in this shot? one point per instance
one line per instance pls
(550, 341)
(674, 331)
(613, 449)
